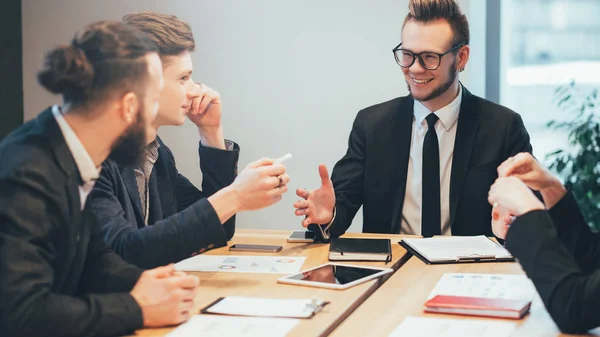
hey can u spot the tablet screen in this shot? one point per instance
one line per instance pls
(334, 274)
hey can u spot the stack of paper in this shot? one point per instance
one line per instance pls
(243, 264)
(499, 286)
(220, 326)
(265, 307)
(428, 327)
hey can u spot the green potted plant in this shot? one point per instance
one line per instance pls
(579, 164)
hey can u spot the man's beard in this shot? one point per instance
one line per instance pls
(129, 149)
(442, 88)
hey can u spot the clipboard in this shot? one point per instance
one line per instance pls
(470, 258)
(269, 307)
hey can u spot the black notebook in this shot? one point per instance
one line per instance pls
(342, 249)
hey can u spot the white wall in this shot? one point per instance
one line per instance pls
(292, 75)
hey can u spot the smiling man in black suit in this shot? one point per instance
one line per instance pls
(420, 164)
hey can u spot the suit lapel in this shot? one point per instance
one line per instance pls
(466, 133)
(64, 158)
(165, 185)
(128, 175)
(400, 141)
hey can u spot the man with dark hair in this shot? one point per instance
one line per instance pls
(420, 164)
(57, 276)
(150, 213)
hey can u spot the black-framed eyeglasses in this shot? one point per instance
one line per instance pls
(428, 59)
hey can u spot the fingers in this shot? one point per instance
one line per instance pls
(183, 316)
(189, 295)
(301, 212)
(325, 181)
(492, 197)
(285, 179)
(307, 221)
(187, 281)
(186, 305)
(195, 106)
(179, 273)
(276, 193)
(301, 203)
(204, 103)
(278, 181)
(201, 96)
(515, 164)
(193, 94)
(495, 212)
(161, 272)
(272, 170)
(303, 193)
(261, 162)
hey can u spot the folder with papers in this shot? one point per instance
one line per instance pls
(456, 249)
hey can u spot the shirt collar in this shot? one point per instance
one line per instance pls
(87, 169)
(152, 151)
(447, 114)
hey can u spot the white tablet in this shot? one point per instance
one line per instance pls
(335, 276)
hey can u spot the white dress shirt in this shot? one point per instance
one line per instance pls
(87, 170)
(445, 128)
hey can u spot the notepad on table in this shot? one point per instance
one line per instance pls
(220, 326)
(442, 327)
(494, 295)
(455, 249)
(346, 249)
(265, 307)
(477, 306)
(503, 286)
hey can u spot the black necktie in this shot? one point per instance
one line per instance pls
(431, 206)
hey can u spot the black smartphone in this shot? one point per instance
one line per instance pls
(255, 248)
(302, 236)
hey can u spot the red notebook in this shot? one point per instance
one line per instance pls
(476, 306)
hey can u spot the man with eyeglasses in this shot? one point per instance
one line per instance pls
(421, 164)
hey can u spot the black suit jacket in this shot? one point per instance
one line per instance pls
(373, 172)
(561, 255)
(181, 221)
(57, 276)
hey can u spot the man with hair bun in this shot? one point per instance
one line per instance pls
(420, 164)
(57, 276)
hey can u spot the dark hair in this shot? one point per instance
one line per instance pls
(102, 58)
(426, 11)
(171, 35)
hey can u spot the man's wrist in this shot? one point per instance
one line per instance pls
(226, 203)
(532, 205)
(332, 219)
(138, 301)
(553, 193)
(212, 137)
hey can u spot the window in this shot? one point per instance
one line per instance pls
(546, 43)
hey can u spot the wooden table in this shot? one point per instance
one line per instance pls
(404, 293)
(343, 302)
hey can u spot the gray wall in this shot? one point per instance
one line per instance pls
(292, 75)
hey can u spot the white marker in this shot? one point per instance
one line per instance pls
(282, 159)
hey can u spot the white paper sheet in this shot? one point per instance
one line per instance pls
(265, 307)
(451, 247)
(442, 327)
(510, 287)
(225, 326)
(243, 264)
